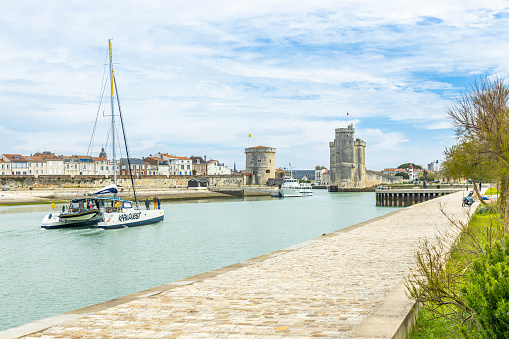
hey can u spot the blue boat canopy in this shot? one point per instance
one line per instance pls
(108, 190)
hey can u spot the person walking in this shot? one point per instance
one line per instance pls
(147, 204)
(480, 185)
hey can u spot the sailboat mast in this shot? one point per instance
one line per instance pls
(112, 116)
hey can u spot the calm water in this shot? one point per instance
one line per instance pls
(48, 272)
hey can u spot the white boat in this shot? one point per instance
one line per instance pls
(291, 187)
(80, 212)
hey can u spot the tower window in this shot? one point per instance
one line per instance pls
(267, 171)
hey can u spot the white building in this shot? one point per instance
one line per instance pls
(216, 168)
(5, 167)
(177, 165)
(19, 165)
(319, 176)
(434, 166)
(157, 166)
(102, 166)
(36, 165)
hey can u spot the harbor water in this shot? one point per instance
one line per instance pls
(48, 272)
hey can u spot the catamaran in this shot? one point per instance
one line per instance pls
(103, 211)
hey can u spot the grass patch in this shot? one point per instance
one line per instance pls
(491, 191)
(430, 327)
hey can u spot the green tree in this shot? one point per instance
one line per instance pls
(406, 165)
(318, 167)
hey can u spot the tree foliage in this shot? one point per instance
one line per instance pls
(463, 276)
(406, 165)
(481, 121)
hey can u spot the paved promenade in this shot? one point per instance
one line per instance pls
(348, 284)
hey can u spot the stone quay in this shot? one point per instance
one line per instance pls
(346, 284)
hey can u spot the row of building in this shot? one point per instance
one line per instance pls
(47, 163)
(413, 172)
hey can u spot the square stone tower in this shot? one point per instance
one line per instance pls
(347, 159)
(260, 164)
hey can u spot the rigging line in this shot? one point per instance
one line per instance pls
(125, 140)
(101, 96)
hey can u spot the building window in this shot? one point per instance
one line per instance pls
(267, 171)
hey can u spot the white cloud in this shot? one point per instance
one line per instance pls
(197, 77)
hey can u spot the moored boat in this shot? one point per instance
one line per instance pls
(291, 187)
(80, 212)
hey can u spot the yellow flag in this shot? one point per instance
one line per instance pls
(250, 135)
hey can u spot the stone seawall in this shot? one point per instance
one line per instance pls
(346, 284)
(375, 179)
(24, 181)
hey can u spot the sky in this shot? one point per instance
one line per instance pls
(197, 77)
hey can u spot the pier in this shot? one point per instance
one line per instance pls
(346, 284)
(408, 197)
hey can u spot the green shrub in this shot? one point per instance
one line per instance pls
(486, 293)
(485, 209)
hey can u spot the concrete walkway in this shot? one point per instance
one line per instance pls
(348, 284)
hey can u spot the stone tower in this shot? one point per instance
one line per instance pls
(347, 159)
(260, 164)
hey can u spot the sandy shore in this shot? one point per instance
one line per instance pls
(49, 195)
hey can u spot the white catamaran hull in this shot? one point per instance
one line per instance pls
(131, 218)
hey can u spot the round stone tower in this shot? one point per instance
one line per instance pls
(260, 164)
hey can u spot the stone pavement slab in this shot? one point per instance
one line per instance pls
(346, 284)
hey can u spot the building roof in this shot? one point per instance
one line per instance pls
(34, 158)
(134, 161)
(154, 160)
(197, 160)
(174, 156)
(298, 174)
(15, 157)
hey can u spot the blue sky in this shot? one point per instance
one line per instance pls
(196, 78)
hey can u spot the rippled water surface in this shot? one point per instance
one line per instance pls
(48, 272)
